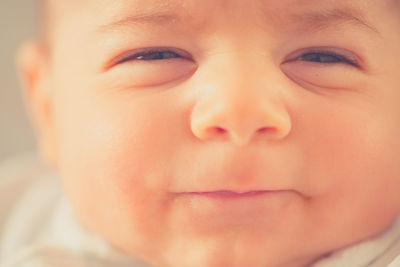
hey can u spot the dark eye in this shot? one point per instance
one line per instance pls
(149, 55)
(157, 55)
(325, 58)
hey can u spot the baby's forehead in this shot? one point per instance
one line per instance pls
(65, 5)
(280, 11)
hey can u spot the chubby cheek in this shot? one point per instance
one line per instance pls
(351, 157)
(113, 165)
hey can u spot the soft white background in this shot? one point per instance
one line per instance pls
(17, 23)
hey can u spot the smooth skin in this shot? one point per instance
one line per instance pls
(144, 107)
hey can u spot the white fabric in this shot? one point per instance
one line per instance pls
(366, 253)
(395, 263)
(38, 228)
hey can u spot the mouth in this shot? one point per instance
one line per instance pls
(226, 194)
(226, 207)
(219, 210)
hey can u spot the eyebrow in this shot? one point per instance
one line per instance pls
(310, 21)
(154, 18)
(332, 17)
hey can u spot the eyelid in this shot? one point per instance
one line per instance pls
(140, 51)
(343, 54)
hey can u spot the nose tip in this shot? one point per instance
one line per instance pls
(240, 129)
(242, 139)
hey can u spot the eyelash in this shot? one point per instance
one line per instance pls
(152, 55)
(167, 54)
(318, 55)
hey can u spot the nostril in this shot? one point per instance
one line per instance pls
(262, 130)
(220, 130)
(215, 131)
(267, 129)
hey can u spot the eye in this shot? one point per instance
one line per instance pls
(326, 58)
(156, 54)
(151, 66)
(324, 67)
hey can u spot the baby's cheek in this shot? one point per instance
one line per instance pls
(113, 199)
(114, 174)
(361, 176)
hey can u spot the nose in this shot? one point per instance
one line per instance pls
(240, 107)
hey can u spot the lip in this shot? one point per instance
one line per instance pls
(227, 194)
(223, 209)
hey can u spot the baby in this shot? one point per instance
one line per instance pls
(211, 133)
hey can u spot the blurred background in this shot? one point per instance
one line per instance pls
(17, 23)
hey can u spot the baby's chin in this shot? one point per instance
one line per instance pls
(221, 253)
(236, 250)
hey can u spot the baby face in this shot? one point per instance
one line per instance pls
(225, 133)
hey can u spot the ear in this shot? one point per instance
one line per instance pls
(33, 63)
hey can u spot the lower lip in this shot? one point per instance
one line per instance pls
(225, 207)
